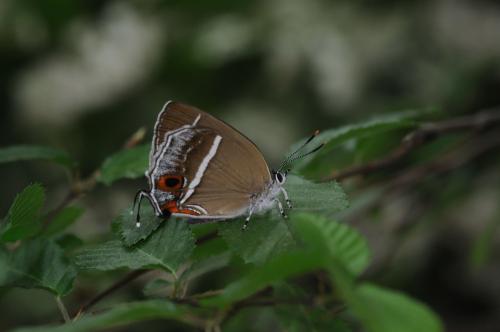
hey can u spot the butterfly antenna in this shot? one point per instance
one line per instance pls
(316, 149)
(292, 157)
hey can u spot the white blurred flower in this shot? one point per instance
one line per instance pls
(107, 61)
(328, 40)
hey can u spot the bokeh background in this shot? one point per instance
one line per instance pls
(85, 75)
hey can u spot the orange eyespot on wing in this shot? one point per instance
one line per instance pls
(170, 183)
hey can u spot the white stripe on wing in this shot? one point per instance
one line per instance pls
(202, 168)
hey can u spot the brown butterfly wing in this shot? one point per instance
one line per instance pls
(223, 168)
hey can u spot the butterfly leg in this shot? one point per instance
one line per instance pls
(138, 198)
(247, 219)
(287, 200)
(137, 203)
(280, 208)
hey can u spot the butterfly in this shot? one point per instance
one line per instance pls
(202, 168)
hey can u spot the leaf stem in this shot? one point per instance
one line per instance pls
(63, 310)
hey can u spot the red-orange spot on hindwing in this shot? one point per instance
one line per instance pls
(171, 206)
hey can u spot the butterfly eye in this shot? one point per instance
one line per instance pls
(280, 178)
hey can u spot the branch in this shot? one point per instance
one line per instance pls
(426, 132)
(79, 187)
(207, 237)
(111, 289)
(264, 299)
(456, 158)
(452, 160)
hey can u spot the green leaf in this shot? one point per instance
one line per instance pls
(167, 248)
(4, 261)
(155, 287)
(322, 253)
(286, 265)
(299, 317)
(129, 163)
(23, 218)
(210, 248)
(379, 310)
(326, 198)
(206, 265)
(295, 318)
(252, 319)
(269, 235)
(31, 152)
(325, 242)
(125, 225)
(383, 310)
(344, 245)
(265, 237)
(63, 220)
(39, 264)
(69, 242)
(334, 137)
(119, 315)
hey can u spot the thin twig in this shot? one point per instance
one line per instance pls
(424, 134)
(455, 158)
(63, 310)
(79, 187)
(68, 199)
(136, 138)
(263, 299)
(111, 289)
(207, 237)
(452, 160)
(206, 294)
